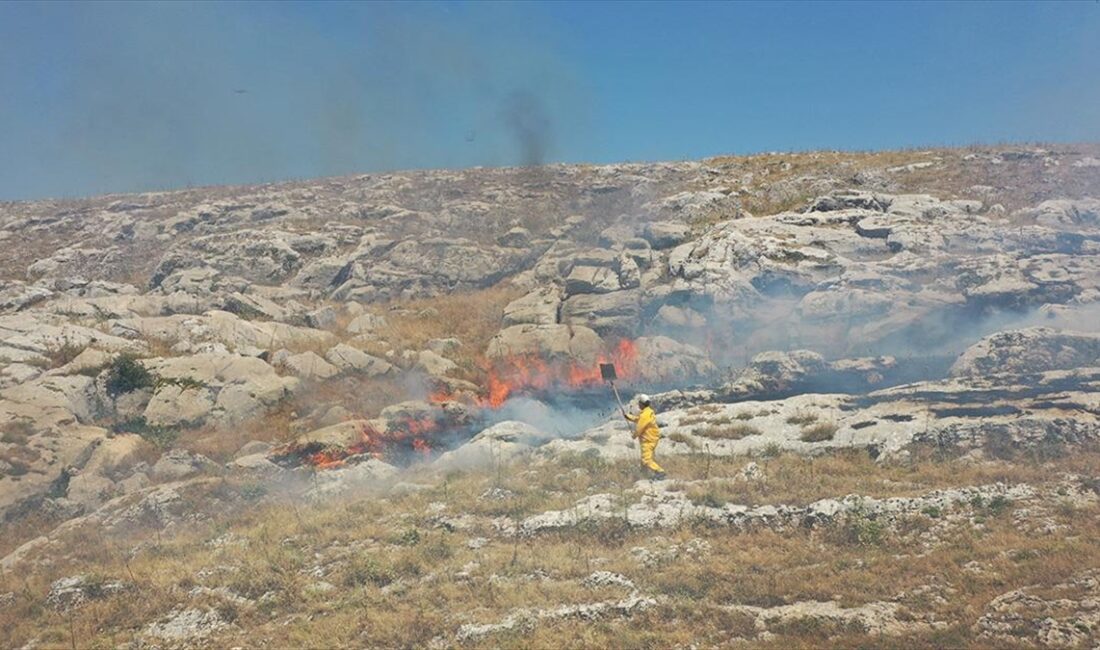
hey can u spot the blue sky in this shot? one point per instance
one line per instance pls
(100, 97)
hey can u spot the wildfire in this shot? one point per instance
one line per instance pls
(527, 372)
(410, 434)
(504, 378)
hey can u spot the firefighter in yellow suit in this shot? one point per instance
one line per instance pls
(646, 432)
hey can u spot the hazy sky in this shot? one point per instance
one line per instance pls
(98, 97)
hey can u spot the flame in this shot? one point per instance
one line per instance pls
(504, 378)
(410, 434)
(527, 372)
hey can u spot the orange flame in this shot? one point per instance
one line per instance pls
(527, 372)
(505, 378)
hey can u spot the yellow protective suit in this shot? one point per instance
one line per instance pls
(646, 431)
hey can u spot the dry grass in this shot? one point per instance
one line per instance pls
(401, 580)
(683, 438)
(472, 317)
(802, 417)
(818, 432)
(730, 431)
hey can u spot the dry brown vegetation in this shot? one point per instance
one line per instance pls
(729, 431)
(818, 432)
(399, 578)
(473, 318)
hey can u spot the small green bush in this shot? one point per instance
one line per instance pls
(126, 374)
(367, 571)
(162, 437)
(410, 537)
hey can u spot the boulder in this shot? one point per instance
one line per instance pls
(351, 359)
(262, 256)
(539, 307)
(254, 447)
(117, 456)
(776, 371)
(90, 490)
(608, 314)
(630, 275)
(240, 401)
(434, 364)
(515, 238)
(498, 445)
(343, 434)
(679, 317)
(444, 345)
(190, 332)
(1064, 214)
(661, 360)
(666, 234)
(322, 319)
(252, 307)
(425, 266)
(178, 464)
(255, 463)
(322, 273)
(1026, 351)
(549, 342)
(591, 279)
(366, 324)
(90, 360)
(175, 405)
(371, 473)
(226, 388)
(310, 365)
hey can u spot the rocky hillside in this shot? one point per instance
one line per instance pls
(368, 410)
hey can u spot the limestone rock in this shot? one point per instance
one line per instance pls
(1036, 349)
(499, 444)
(366, 324)
(539, 307)
(179, 464)
(591, 279)
(174, 405)
(254, 307)
(549, 342)
(434, 364)
(661, 360)
(322, 319)
(608, 314)
(666, 234)
(310, 365)
(347, 358)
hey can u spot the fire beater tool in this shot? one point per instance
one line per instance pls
(607, 372)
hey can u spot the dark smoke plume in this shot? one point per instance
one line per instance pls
(524, 115)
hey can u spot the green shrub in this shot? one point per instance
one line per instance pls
(862, 529)
(410, 537)
(162, 437)
(126, 374)
(367, 571)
